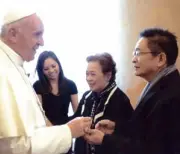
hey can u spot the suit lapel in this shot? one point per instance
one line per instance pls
(150, 99)
(159, 92)
(145, 102)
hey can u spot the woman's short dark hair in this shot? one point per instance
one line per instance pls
(107, 63)
(39, 67)
(160, 40)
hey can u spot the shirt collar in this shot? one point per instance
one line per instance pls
(17, 59)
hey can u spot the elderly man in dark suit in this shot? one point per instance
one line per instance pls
(154, 127)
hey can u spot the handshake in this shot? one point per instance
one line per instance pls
(81, 127)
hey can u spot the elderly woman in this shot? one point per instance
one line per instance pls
(104, 100)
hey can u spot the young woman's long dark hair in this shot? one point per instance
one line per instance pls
(46, 87)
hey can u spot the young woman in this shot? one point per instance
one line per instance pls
(54, 89)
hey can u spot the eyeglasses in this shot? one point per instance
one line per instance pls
(138, 53)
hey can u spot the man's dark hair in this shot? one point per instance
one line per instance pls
(160, 40)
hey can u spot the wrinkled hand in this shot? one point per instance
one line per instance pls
(94, 136)
(78, 126)
(105, 126)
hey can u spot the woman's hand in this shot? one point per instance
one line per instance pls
(94, 136)
(105, 126)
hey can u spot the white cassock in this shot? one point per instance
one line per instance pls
(22, 121)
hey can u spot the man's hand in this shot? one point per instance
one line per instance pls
(79, 125)
(94, 136)
(105, 126)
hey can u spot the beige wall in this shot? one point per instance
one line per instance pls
(135, 15)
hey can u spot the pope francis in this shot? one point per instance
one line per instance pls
(23, 125)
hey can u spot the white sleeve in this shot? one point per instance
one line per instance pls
(51, 140)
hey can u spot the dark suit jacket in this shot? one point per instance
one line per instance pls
(155, 126)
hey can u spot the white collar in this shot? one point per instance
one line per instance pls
(17, 59)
